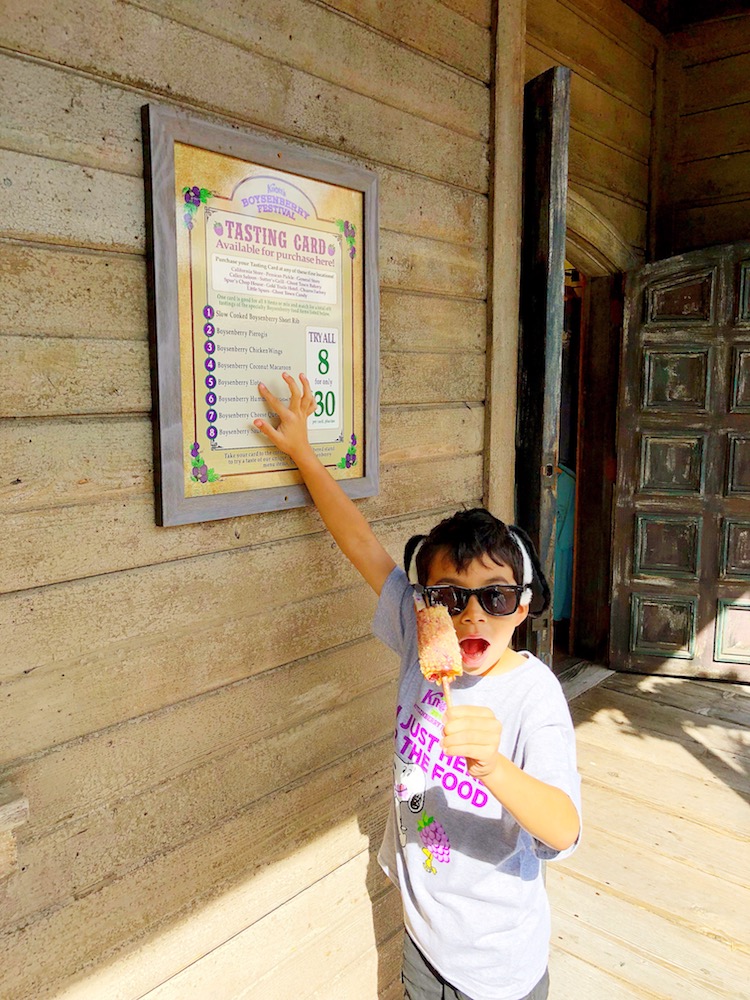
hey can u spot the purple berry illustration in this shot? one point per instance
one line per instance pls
(354, 440)
(218, 229)
(195, 449)
(331, 249)
(434, 838)
(352, 252)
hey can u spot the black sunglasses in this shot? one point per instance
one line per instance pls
(498, 599)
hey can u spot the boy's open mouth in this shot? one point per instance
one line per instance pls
(473, 649)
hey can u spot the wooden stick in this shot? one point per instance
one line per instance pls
(445, 681)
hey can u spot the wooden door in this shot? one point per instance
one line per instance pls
(681, 567)
(545, 188)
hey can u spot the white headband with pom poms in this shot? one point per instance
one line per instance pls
(528, 569)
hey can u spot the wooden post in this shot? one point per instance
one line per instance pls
(504, 240)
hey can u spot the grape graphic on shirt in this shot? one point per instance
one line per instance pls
(437, 846)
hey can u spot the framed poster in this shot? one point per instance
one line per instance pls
(262, 259)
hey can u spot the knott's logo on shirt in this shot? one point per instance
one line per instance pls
(418, 741)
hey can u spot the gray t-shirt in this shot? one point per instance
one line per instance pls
(470, 877)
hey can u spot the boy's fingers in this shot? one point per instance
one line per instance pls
(474, 751)
(308, 402)
(470, 711)
(471, 739)
(268, 430)
(475, 754)
(276, 405)
(471, 725)
(293, 387)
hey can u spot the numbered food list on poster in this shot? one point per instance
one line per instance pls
(274, 304)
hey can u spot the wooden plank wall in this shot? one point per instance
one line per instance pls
(205, 802)
(711, 194)
(612, 52)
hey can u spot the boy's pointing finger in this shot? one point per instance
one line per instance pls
(276, 405)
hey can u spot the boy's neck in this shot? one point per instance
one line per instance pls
(507, 662)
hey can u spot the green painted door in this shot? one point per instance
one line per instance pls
(681, 552)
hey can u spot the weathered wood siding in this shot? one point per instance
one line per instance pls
(711, 202)
(611, 51)
(205, 803)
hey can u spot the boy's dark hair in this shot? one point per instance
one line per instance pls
(472, 534)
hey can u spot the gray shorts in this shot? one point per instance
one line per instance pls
(423, 982)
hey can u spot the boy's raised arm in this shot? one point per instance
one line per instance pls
(349, 529)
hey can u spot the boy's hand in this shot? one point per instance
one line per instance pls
(290, 436)
(473, 732)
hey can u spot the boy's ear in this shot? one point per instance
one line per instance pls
(522, 613)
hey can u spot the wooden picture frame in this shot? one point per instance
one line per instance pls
(263, 257)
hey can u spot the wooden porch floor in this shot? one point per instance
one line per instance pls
(655, 902)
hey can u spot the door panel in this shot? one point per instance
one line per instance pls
(681, 570)
(545, 144)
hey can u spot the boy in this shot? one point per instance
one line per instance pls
(483, 791)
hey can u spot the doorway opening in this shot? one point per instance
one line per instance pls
(586, 468)
(562, 597)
